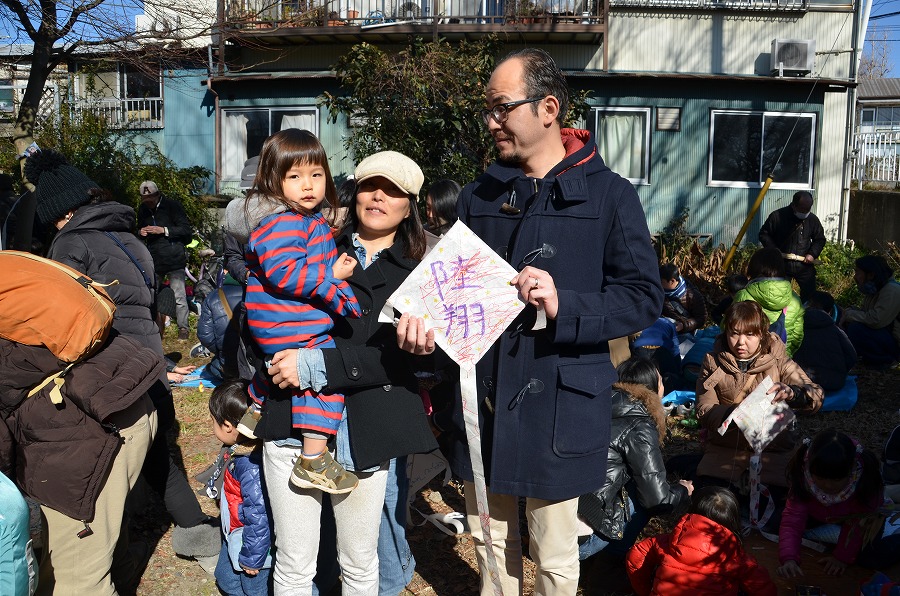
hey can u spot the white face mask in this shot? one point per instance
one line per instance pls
(801, 215)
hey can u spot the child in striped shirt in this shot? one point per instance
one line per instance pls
(296, 284)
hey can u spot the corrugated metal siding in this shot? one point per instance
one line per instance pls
(723, 44)
(679, 160)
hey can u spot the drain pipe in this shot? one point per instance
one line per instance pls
(217, 135)
(861, 23)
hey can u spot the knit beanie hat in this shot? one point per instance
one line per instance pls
(59, 186)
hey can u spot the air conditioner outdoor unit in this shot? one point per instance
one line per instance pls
(793, 57)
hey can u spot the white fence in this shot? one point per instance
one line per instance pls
(126, 113)
(875, 157)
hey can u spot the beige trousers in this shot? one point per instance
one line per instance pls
(81, 566)
(553, 529)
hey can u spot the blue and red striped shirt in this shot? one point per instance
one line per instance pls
(291, 295)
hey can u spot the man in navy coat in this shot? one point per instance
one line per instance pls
(577, 233)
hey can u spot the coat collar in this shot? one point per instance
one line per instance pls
(763, 362)
(569, 175)
(643, 401)
(394, 253)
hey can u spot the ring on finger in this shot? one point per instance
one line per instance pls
(534, 282)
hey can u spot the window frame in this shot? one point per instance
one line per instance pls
(761, 180)
(309, 107)
(647, 111)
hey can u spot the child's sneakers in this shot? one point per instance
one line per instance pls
(323, 473)
(247, 424)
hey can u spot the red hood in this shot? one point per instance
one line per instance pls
(574, 140)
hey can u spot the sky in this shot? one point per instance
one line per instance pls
(889, 27)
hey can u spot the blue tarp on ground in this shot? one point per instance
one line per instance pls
(198, 376)
(843, 399)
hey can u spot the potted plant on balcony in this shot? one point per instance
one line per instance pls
(524, 11)
(314, 17)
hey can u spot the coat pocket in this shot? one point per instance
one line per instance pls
(583, 409)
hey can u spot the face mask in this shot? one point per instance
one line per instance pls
(869, 288)
(801, 215)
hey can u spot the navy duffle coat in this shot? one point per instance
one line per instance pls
(545, 422)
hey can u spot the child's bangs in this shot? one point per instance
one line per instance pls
(306, 156)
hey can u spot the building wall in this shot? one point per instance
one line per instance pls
(189, 135)
(299, 58)
(721, 43)
(679, 160)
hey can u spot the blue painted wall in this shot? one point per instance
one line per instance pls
(189, 136)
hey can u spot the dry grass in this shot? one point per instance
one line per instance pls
(446, 565)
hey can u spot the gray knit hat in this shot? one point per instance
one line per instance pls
(59, 186)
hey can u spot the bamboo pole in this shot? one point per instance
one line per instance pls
(750, 216)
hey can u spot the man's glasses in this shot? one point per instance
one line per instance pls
(500, 112)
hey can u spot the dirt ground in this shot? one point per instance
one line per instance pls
(446, 564)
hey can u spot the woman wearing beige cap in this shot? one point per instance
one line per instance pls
(384, 418)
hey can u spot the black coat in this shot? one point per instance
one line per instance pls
(553, 444)
(826, 354)
(83, 245)
(634, 456)
(688, 312)
(168, 251)
(384, 410)
(784, 231)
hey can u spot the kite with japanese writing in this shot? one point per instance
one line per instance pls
(461, 289)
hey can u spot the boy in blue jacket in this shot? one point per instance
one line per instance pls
(246, 557)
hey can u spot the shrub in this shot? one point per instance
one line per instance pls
(118, 160)
(834, 273)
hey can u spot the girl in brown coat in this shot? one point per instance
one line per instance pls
(743, 356)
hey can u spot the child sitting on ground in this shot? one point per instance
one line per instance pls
(834, 483)
(245, 559)
(684, 304)
(702, 555)
(826, 354)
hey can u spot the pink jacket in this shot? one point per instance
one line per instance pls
(797, 512)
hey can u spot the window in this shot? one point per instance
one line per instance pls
(867, 120)
(623, 137)
(746, 146)
(7, 96)
(141, 84)
(880, 119)
(243, 132)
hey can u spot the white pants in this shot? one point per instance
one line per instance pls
(553, 528)
(295, 513)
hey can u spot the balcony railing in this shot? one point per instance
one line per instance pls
(744, 5)
(875, 157)
(376, 14)
(125, 113)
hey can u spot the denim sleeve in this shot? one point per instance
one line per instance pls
(311, 369)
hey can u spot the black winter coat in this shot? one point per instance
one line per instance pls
(63, 454)
(553, 444)
(784, 231)
(688, 312)
(826, 354)
(384, 410)
(168, 251)
(634, 456)
(83, 245)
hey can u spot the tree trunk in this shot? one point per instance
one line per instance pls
(23, 137)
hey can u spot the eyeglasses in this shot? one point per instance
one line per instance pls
(500, 112)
